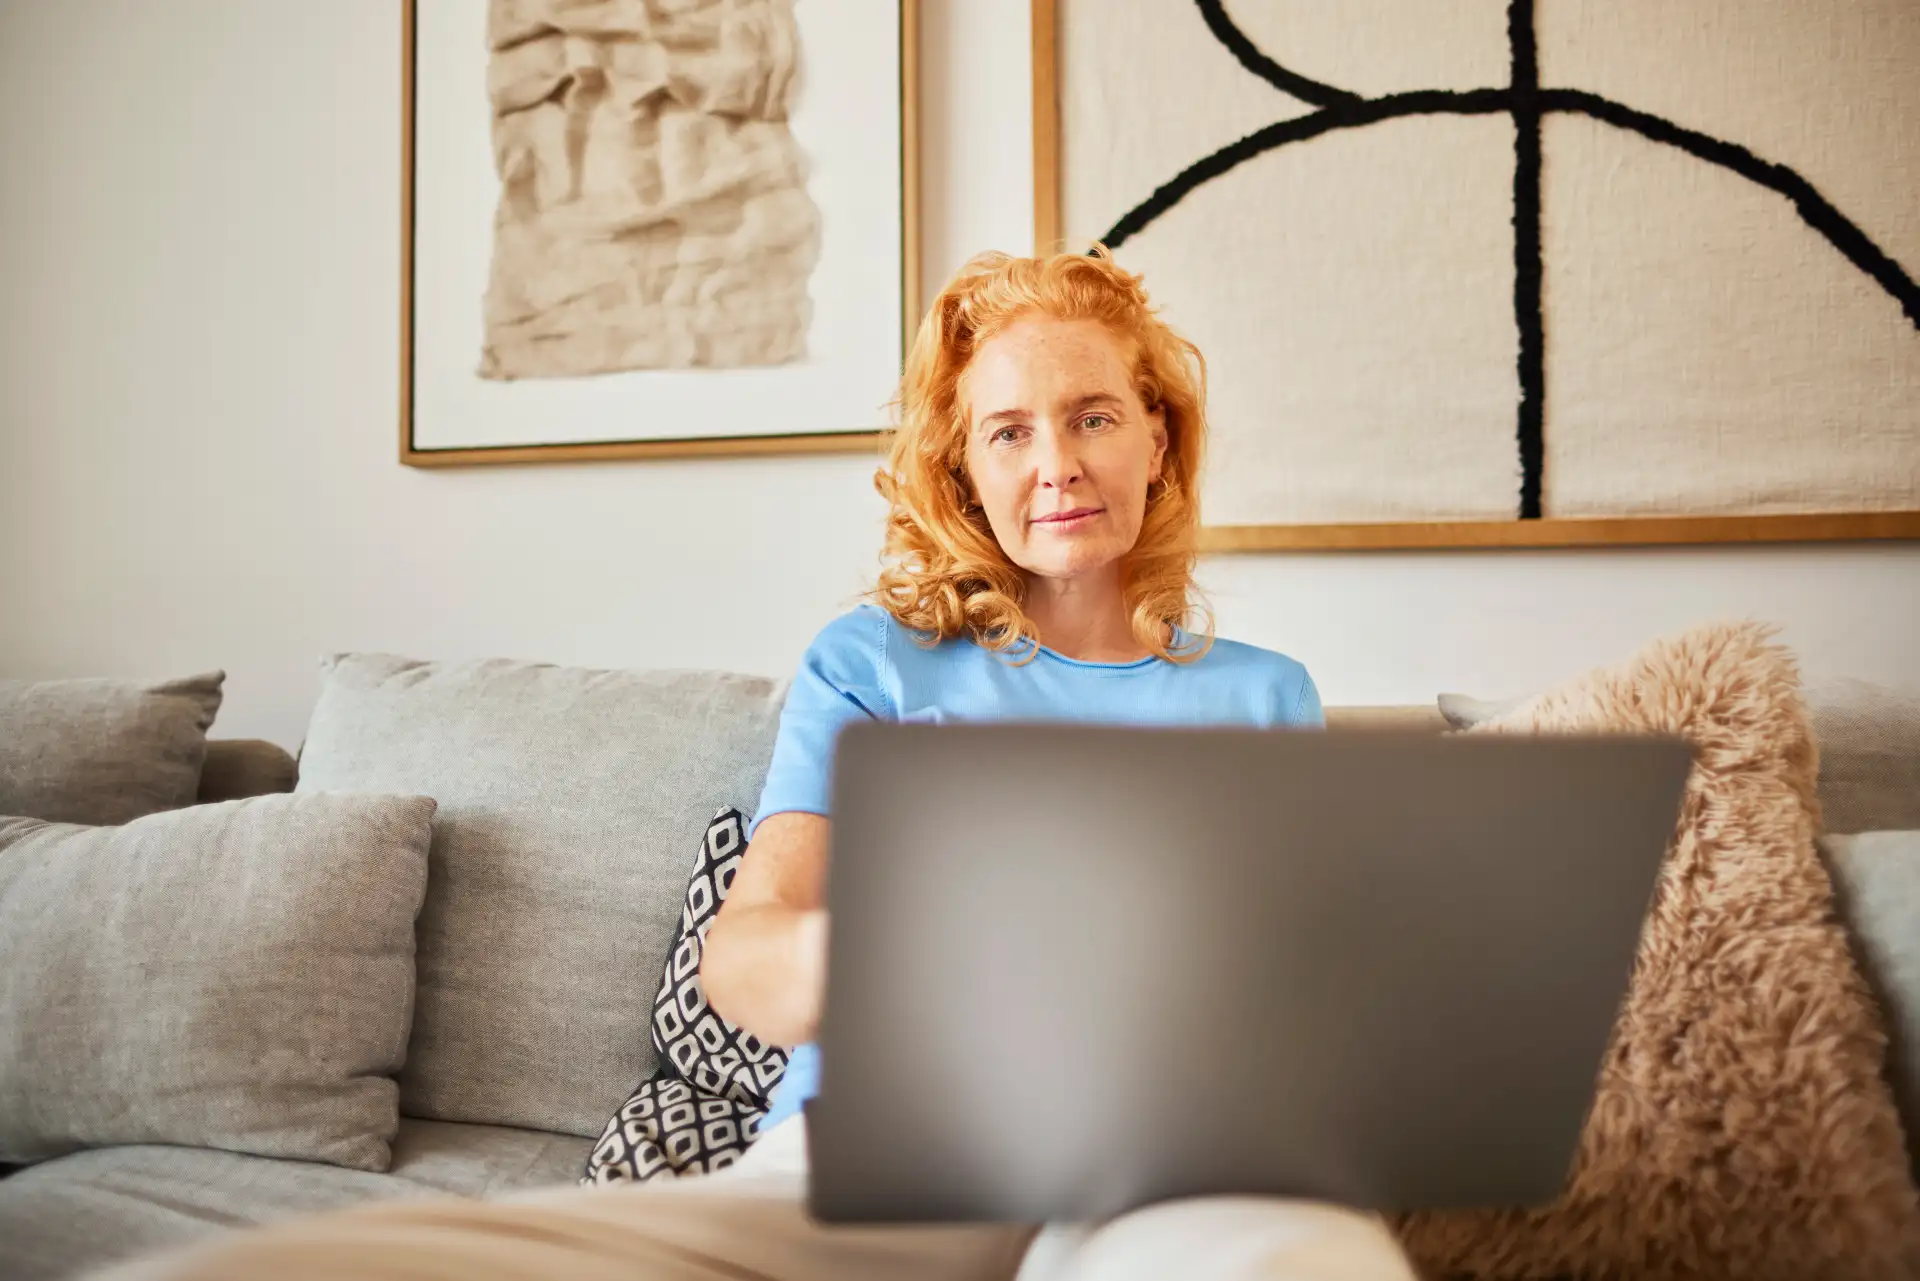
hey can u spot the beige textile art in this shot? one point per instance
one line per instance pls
(1497, 260)
(653, 206)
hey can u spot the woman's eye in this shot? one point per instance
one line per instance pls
(1006, 435)
(1096, 422)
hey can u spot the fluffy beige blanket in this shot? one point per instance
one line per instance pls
(1743, 1128)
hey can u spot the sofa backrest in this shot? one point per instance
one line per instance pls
(572, 804)
(571, 808)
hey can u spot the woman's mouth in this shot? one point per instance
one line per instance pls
(1074, 518)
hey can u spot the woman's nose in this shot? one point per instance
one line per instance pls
(1057, 461)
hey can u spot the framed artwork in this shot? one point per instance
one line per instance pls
(1507, 273)
(635, 231)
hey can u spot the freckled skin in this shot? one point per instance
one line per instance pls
(1054, 424)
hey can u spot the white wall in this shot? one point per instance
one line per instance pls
(198, 388)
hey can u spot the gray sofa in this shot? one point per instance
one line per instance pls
(570, 805)
(64, 1216)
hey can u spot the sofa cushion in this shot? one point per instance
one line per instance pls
(236, 976)
(1876, 882)
(1742, 1125)
(559, 860)
(103, 751)
(80, 1212)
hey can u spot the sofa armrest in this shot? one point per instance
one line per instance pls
(1424, 719)
(241, 767)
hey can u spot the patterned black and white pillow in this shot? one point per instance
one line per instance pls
(703, 1106)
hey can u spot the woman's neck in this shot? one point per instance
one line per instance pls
(1084, 618)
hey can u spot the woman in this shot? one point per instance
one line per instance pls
(1041, 536)
(1040, 554)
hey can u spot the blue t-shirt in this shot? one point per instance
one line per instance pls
(865, 664)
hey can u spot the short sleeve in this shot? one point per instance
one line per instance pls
(838, 682)
(1305, 709)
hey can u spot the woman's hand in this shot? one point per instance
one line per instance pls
(765, 962)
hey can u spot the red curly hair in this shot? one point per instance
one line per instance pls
(944, 572)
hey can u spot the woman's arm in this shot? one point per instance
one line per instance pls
(765, 961)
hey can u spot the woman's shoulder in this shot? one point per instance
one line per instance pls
(1292, 696)
(846, 660)
(1242, 657)
(872, 631)
(863, 643)
(852, 646)
(871, 657)
(862, 627)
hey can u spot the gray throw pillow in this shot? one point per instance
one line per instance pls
(559, 860)
(1876, 882)
(103, 751)
(234, 976)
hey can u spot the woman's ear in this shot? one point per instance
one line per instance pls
(1157, 424)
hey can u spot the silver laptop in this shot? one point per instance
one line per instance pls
(1076, 970)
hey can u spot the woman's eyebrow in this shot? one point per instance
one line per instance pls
(1083, 403)
(1000, 416)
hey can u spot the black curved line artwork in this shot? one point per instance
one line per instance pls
(1527, 103)
(1287, 82)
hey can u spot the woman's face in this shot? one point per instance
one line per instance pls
(1059, 447)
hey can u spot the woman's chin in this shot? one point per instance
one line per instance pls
(1075, 561)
